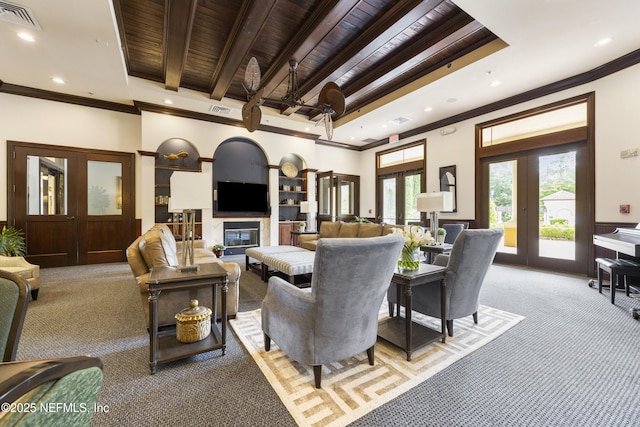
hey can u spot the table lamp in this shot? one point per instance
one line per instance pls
(189, 191)
(309, 207)
(436, 202)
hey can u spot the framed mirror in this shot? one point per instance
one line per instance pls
(448, 183)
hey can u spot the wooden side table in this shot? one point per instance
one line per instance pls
(405, 333)
(431, 250)
(163, 345)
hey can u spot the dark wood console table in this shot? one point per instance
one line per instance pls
(163, 345)
(405, 333)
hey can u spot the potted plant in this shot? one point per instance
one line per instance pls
(12, 242)
(218, 249)
(441, 233)
(302, 225)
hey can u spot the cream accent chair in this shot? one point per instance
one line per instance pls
(20, 266)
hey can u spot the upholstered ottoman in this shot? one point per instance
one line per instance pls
(291, 263)
(20, 266)
(258, 253)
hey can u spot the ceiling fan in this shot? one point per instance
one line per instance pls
(331, 100)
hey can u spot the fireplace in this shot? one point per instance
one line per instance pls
(238, 236)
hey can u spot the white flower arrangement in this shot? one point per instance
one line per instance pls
(414, 236)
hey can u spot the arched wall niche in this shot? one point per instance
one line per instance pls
(240, 160)
(179, 154)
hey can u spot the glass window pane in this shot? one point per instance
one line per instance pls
(502, 203)
(46, 186)
(540, 124)
(557, 178)
(104, 188)
(324, 195)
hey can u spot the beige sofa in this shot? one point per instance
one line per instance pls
(344, 229)
(20, 266)
(158, 247)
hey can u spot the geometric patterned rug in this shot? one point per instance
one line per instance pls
(351, 387)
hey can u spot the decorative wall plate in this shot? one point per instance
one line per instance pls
(289, 169)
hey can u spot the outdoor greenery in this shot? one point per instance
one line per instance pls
(557, 232)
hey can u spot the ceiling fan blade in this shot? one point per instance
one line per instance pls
(252, 76)
(251, 113)
(331, 95)
(328, 126)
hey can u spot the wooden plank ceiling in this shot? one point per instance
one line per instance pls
(370, 48)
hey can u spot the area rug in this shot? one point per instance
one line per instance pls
(352, 388)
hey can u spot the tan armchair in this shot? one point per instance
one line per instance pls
(20, 266)
(157, 247)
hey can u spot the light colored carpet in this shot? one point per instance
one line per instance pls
(352, 388)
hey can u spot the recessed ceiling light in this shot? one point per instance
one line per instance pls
(352, 138)
(384, 125)
(495, 83)
(428, 109)
(168, 101)
(603, 42)
(307, 129)
(57, 80)
(26, 37)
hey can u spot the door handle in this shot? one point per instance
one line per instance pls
(71, 218)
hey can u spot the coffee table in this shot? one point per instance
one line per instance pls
(403, 332)
(163, 345)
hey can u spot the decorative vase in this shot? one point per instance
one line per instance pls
(408, 259)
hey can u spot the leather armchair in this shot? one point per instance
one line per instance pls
(157, 247)
(467, 265)
(337, 317)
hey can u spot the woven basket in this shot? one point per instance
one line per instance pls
(194, 323)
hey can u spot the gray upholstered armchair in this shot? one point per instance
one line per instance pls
(337, 317)
(467, 266)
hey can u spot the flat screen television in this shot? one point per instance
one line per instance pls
(242, 197)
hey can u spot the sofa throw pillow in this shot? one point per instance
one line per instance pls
(152, 251)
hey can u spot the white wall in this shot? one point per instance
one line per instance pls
(47, 122)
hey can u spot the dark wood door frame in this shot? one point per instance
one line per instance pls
(73, 237)
(585, 135)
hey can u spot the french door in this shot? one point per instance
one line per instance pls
(74, 206)
(398, 197)
(540, 199)
(338, 196)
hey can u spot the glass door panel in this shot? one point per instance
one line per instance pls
(389, 211)
(324, 195)
(104, 188)
(411, 191)
(502, 203)
(46, 184)
(557, 205)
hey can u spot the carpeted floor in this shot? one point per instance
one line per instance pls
(572, 362)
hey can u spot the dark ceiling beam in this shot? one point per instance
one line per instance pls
(179, 15)
(393, 22)
(249, 22)
(384, 75)
(323, 20)
(409, 58)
